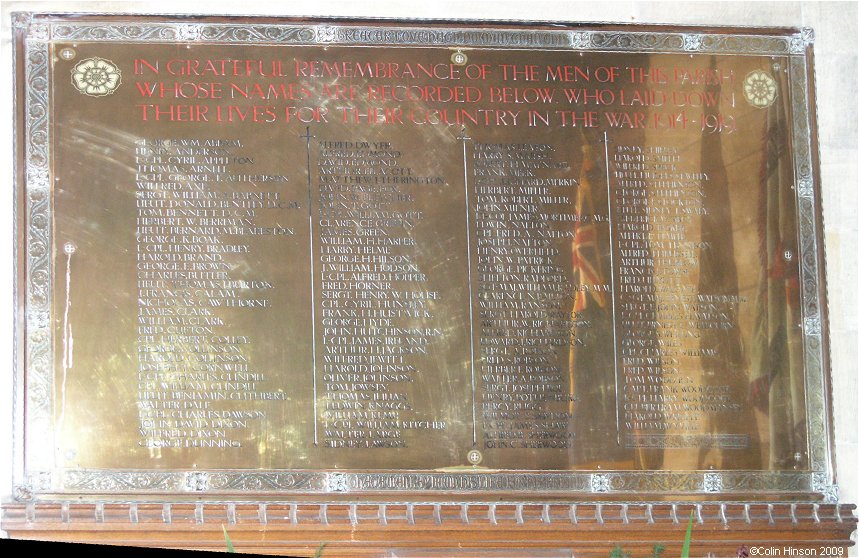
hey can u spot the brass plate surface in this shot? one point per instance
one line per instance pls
(369, 257)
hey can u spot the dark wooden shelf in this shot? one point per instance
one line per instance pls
(412, 530)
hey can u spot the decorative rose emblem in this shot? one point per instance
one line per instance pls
(692, 42)
(581, 39)
(188, 32)
(326, 34)
(337, 482)
(197, 481)
(713, 482)
(96, 77)
(759, 89)
(600, 482)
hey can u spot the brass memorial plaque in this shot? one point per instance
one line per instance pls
(266, 257)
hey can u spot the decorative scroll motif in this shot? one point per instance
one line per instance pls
(801, 127)
(773, 482)
(37, 221)
(261, 34)
(712, 482)
(109, 32)
(624, 40)
(698, 482)
(657, 482)
(421, 36)
(252, 482)
(808, 253)
(667, 42)
(197, 481)
(121, 481)
(816, 402)
(307, 481)
(302, 481)
(745, 44)
(167, 32)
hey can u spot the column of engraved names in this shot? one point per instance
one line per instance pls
(523, 294)
(376, 320)
(197, 209)
(658, 206)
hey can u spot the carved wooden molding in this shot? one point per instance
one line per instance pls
(422, 529)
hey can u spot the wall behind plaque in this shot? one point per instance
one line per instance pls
(835, 25)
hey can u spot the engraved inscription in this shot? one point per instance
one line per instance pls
(197, 202)
(377, 317)
(522, 209)
(359, 259)
(659, 202)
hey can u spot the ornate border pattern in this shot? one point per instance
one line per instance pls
(122, 481)
(816, 403)
(40, 31)
(37, 221)
(821, 483)
(263, 482)
(621, 41)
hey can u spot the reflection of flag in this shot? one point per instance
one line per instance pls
(776, 383)
(592, 345)
(586, 256)
(591, 364)
(725, 365)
